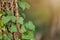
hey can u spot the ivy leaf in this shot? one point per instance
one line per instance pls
(13, 18)
(23, 28)
(13, 28)
(9, 35)
(9, 13)
(27, 5)
(5, 37)
(17, 38)
(5, 19)
(24, 5)
(20, 20)
(29, 25)
(28, 36)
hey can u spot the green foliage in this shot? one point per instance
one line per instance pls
(28, 30)
(29, 25)
(28, 36)
(13, 18)
(8, 20)
(7, 37)
(12, 28)
(17, 38)
(20, 20)
(9, 13)
(23, 29)
(8, 17)
(24, 5)
(5, 19)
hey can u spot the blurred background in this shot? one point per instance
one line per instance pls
(45, 15)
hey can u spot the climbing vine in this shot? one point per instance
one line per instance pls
(8, 22)
(28, 27)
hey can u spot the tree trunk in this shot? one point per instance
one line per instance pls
(11, 5)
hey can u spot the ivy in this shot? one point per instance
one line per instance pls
(12, 28)
(24, 5)
(7, 37)
(13, 18)
(28, 28)
(23, 29)
(29, 25)
(17, 38)
(5, 19)
(20, 20)
(8, 20)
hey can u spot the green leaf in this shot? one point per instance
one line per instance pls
(9, 13)
(23, 28)
(5, 37)
(20, 20)
(13, 28)
(5, 19)
(9, 35)
(30, 35)
(23, 5)
(17, 38)
(13, 18)
(29, 25)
